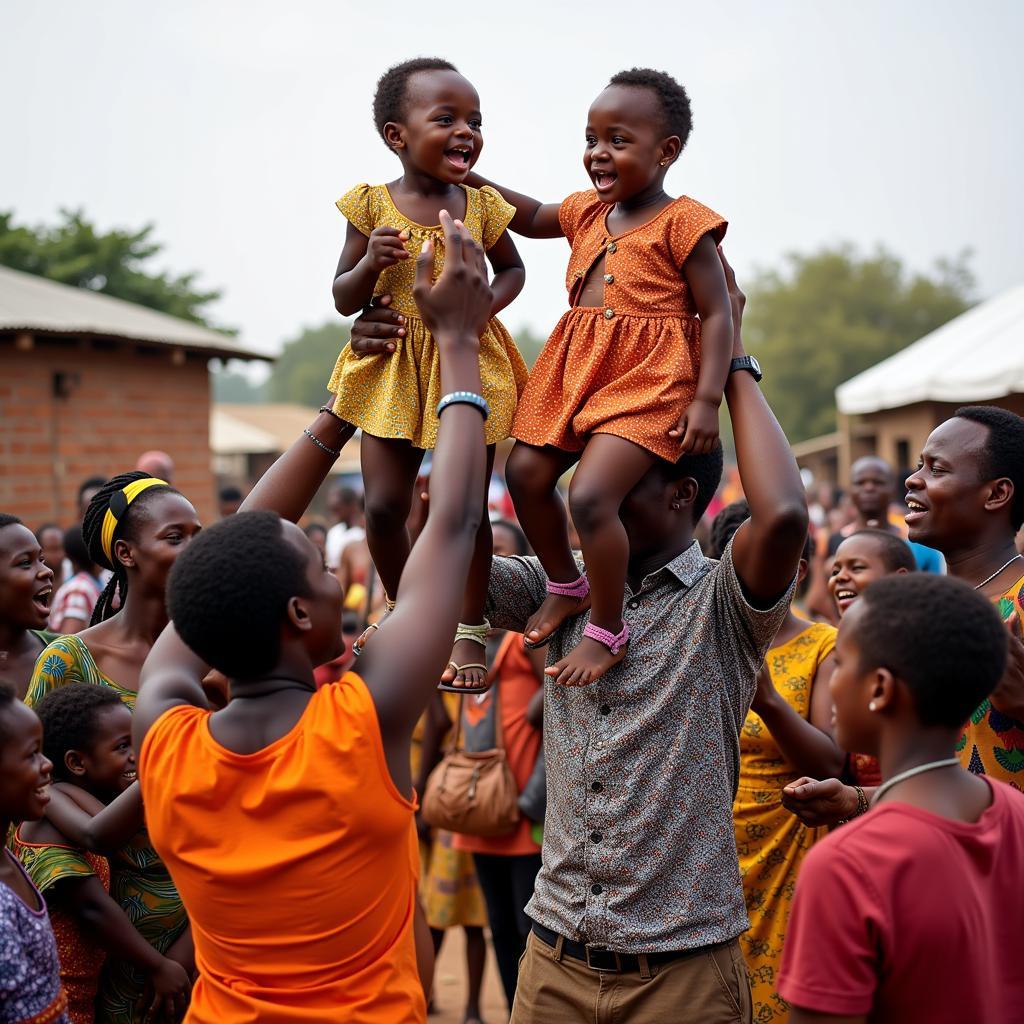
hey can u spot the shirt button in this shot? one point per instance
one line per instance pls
(595, 837)
(609, 278)
(634, 604)
(605, 709)
(596, 889)
(596, 787)
(611, 247)
(609, 313)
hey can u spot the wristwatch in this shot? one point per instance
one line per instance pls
(748, 363)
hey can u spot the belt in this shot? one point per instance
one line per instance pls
(607, 961)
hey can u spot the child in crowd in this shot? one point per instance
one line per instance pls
(30, 988)
(429, 115)
(912, 911)
(633, 372)
(87, 737)
(859, 560)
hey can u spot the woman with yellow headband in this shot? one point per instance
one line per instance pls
(135, 526)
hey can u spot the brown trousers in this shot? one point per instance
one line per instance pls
(709, 987)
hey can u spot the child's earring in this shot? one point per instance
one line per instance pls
(872, 706)
(662, 163)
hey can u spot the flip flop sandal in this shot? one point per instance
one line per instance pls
(579, 589)
(478, 634)
(468, 690)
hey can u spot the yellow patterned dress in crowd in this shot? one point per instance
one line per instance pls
(396, 395)
(770, 841)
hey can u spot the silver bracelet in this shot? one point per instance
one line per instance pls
(316, 440)
(465, 398)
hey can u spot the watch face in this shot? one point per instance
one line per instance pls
(755, 364)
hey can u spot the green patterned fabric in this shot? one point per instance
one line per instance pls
(67, 660)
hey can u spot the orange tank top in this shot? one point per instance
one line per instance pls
(297, 865)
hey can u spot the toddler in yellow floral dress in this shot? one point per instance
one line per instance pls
(429, 115)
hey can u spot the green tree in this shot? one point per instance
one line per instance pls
(114, 262)
(827, 316)
(305, 363)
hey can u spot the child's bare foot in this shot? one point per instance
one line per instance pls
(466, 671)
(591, 657)
(556, 608)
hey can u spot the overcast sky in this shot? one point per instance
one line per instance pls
(234, 126)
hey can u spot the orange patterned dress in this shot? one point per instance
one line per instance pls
(628, 367)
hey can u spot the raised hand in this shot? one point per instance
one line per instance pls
(457, 306)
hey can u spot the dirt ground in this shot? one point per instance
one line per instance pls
(450, 984)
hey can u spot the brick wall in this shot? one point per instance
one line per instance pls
(122, 400)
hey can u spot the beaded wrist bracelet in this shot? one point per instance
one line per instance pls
(464, 398)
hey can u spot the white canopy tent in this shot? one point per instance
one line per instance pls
(977, 357)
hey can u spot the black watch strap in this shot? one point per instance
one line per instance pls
(748, 363)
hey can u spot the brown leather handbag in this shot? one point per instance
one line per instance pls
(473, 793)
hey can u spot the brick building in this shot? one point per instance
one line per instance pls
(88, 383)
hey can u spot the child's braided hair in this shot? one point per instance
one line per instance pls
(92, 531)
(389, 96)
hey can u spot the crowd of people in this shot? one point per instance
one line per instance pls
(776, 777)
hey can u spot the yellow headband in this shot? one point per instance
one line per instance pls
(119, 502)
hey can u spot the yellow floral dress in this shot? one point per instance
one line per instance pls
(396, 395)
(139, 881)
(770, 841)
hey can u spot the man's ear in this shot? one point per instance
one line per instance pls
(684, 492)
(1000, 494)
(298, 614)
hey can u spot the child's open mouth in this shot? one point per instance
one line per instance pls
(130, 774)
(604, 180)
(42, 599)
(459, 157)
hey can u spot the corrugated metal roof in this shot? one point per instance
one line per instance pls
(976, 357)
(258, 429)
(36, 304)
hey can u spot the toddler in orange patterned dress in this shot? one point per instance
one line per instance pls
(429, 115)
(634, 372)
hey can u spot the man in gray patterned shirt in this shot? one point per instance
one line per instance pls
(638, 906)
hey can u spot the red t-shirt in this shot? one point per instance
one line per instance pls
(907, 916)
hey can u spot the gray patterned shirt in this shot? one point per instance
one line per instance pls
(639, 854)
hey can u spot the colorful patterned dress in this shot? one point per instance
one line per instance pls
(30, 988)
(395, 395)
(139, 882)
(993, 743)
(81, 960)
(770, 841)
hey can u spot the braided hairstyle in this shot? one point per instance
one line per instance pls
(92, 529)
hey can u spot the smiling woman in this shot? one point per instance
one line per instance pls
(26, 586)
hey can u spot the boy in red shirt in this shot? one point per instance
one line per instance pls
(913, 911)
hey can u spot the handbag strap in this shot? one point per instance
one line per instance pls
(492, 673)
